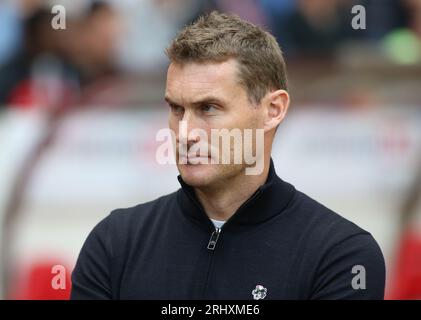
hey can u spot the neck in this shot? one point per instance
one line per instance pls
(222, 202)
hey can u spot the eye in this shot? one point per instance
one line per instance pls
(208, 108)
(176, 109)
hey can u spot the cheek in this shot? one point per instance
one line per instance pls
(204, 127)
(246, 117)
(226, 121)
(247, 121)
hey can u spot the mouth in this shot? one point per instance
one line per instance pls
(194, 159)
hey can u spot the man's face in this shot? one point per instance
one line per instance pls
(208, 96)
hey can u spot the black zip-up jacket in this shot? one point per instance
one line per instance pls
(280, 244)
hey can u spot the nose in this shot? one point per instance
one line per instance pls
(185, 127)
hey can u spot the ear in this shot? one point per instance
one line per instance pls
(276, 104)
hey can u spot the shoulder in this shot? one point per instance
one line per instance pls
(324, 232)
(123, 226)
(142, 211)
(320, 222)
(337, 249)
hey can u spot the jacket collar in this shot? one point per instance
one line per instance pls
(269, 200)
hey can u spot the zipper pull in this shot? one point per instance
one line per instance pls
(213, 239)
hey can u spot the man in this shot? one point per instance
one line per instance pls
(227, 234)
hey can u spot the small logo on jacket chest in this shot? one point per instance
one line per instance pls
(259, 292)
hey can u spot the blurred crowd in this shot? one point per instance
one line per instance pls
(48, 66)
(106, 40)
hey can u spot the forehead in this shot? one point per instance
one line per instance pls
(190, 80)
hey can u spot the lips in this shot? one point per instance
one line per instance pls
(195, 159)
(199, 154)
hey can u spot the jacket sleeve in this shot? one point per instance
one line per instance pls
(352, 269)
(91, 276)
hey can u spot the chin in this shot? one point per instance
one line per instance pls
(198, 175)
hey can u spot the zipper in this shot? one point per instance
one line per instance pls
(211, 247)
(214, 239)
(215, 234)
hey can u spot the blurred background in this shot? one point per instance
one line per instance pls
(80, 108)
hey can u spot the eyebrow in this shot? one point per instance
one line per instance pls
(167, 99)
(201, 101)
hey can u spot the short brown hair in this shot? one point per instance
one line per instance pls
(217, 37)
